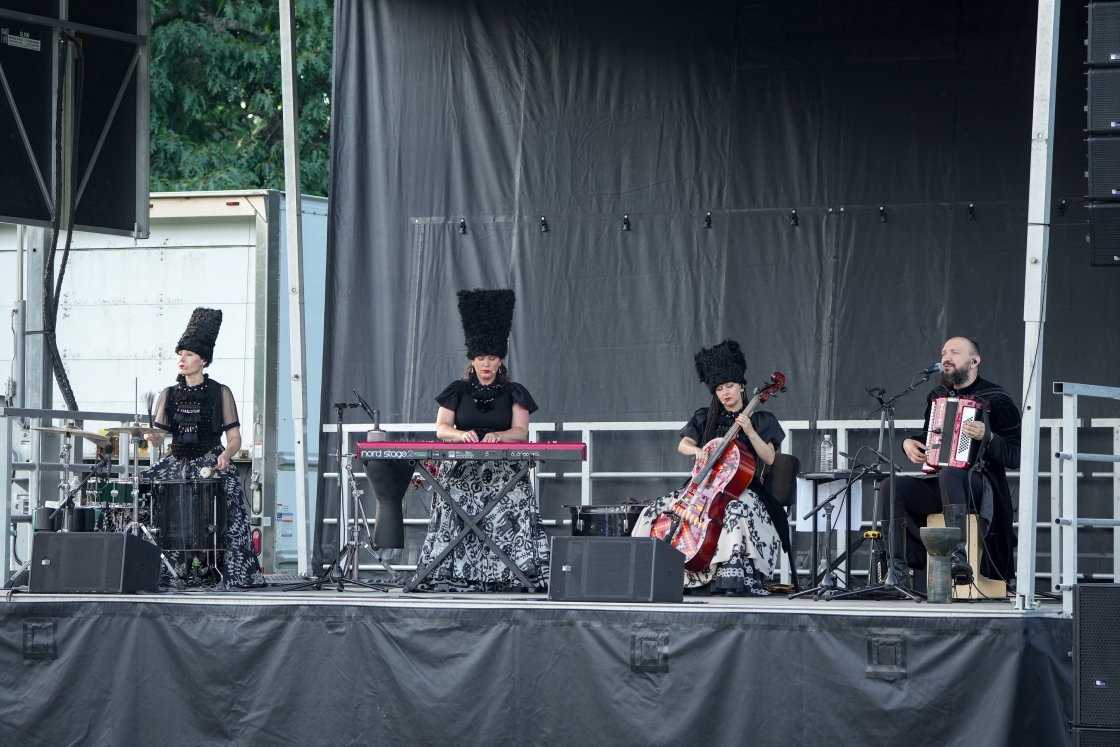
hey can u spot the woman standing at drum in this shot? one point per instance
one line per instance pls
(749, 544)
(485, 405)
(197, 411)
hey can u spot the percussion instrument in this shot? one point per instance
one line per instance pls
(694, 520)
(116, 493)
(605, 521)
(190, 515)
(70, 430)
(946, 446)
(136, 431)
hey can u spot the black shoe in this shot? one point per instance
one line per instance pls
(956, 515)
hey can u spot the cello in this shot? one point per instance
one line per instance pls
(694, 520)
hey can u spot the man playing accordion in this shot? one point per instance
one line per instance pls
(980, 488)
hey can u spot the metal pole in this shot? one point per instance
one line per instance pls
(1069, 501)
(292, 189)
(6, 512)
(1034, 291)
(19, 313)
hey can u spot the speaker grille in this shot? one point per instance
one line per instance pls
(1104, 100)
(1097, 738)
(1104, 168)
(1096, 664)
(1104, 33)
(1104, 233)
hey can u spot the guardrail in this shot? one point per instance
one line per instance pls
(1064, 493)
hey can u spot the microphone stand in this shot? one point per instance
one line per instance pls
(828, 588)
(891, 583)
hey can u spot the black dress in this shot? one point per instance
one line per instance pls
(197, 417)
(749, 543)
(514, 524)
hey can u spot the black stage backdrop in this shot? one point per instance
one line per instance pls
(501, 113)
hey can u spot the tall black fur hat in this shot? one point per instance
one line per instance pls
(720, 364)
(487, 319)
(201, 333)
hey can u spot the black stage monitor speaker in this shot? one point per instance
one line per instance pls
(1104, 101)
(1104, 168)
(1104, 233)
(1096, 656)
(92, 563)
(615, 569)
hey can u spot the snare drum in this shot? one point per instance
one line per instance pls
(605, 521)
(190, 514)
(116, 493)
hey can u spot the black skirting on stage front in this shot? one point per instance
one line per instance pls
(249, 669)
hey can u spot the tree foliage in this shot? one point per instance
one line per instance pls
(216, 118)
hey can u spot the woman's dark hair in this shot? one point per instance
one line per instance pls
(710, 425)
(502, 377)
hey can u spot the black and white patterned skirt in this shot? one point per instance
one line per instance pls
(514, 525)
(238, 564)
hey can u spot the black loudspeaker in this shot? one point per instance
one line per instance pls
(1104, 101)
(1104, 167)
(1096, 657)
(1104, 33)
(1096, 737)
(1104, 233)
(92, 563)
(615, 569)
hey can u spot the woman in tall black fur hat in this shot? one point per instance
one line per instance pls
(749, 544)
(197, 411)
(485, 405)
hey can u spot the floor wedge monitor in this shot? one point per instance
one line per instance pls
(92, 563)
(615, 569)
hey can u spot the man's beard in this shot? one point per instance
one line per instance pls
(953, 379)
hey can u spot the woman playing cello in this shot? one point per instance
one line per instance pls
(749, 544)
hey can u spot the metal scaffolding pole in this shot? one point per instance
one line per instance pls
(1034, 291)
(290, 98)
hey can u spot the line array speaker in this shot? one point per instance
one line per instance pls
(1103, 125)
(615, 569)
(92, 563)
(1096, 658)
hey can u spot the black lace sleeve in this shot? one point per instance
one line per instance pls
(159, 414)
(229, 410)
(768, 428)
(519, 395)
(451, 396)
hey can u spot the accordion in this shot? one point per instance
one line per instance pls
(946, 446)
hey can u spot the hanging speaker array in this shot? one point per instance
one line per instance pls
(1103, 128)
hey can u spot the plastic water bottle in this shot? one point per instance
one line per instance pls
(828, 452)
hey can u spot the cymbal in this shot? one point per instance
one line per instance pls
(134, 430)
(70, 430)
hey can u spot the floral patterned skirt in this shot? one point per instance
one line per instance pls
(748, 548)
(238, 565)
(514, 525)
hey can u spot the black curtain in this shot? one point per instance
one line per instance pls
(494, 114)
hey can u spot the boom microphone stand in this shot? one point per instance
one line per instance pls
(891, 584)
(344, 568)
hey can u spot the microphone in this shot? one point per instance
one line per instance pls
(935, 368)
(365, 406)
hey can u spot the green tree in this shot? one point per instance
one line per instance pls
(216, 99)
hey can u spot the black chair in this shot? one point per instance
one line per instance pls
(779, 492)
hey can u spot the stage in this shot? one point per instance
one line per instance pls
(363, 667)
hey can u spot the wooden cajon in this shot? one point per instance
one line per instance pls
(988, 587)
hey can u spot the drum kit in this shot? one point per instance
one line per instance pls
(186, 516)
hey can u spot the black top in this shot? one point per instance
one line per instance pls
(484, 409)
(767, 426)
(196, 416)
(1002, 454)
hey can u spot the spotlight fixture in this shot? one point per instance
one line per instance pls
(626, 223)
(882, 214)
(544, 225)
(462, 225)
(1062, 209)
(793, 217)
(971, 211)
(708, 220)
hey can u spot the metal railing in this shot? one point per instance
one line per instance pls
(1067, 520)
(35, 466)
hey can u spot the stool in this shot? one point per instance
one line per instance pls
(988, 587)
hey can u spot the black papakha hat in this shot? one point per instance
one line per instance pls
(201, 333)
(487, 319)
(721, 364)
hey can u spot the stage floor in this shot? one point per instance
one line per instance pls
(323, 667)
